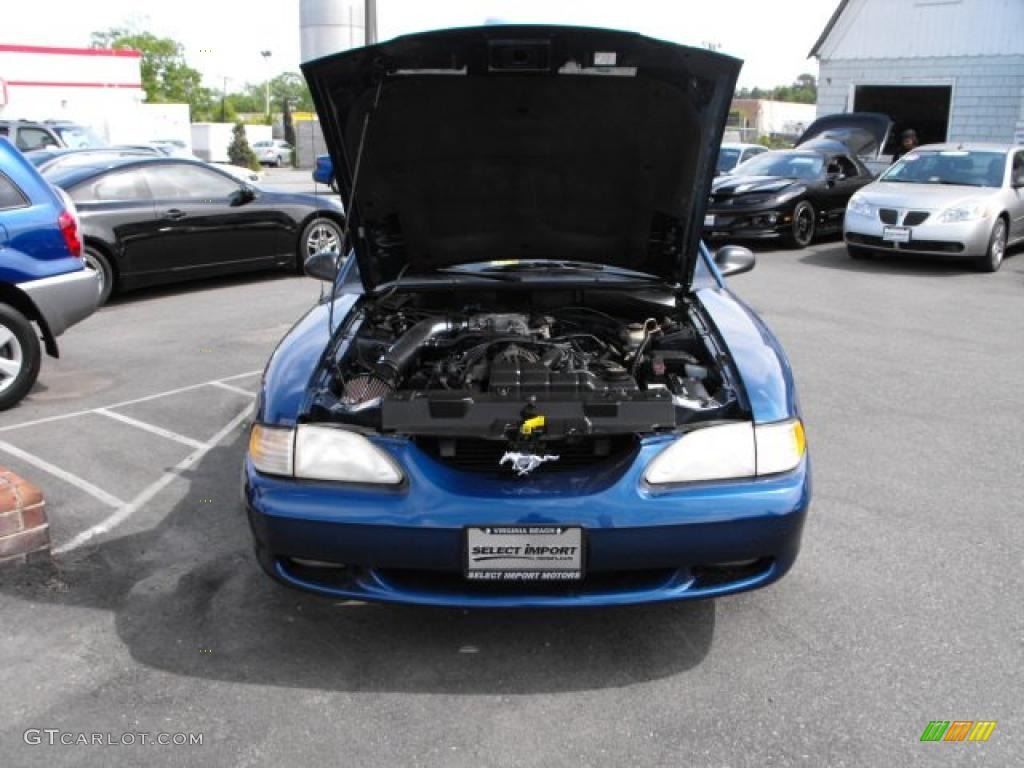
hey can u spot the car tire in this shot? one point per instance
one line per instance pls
(98, 261)
(801, 231)
(277, 161)
(20, 356)
(996, 251)
(322, 230)
(858, 252)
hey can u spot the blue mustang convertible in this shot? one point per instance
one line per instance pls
(529, 385)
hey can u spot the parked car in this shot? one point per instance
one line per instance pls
(240, 172)
(149, 220)
(44, 286)
(28, 135)
(531, 386)
(323, 172)
(273, 152)
(960, 200)
(731, 154)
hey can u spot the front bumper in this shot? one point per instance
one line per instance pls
(405, 546)
(63, 300)
(762, 223)
(967, 239)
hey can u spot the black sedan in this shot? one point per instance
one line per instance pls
(792, 195)
(150, 220)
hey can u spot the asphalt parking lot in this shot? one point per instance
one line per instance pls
(904, 607)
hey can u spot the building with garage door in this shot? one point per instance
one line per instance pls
(951, 69)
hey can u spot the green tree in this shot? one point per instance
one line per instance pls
(166, 77)
(291, 87)
(803, 90)
(239, 151)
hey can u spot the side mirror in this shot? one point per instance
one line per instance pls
(323, 265)
(241, 196)
(734, 260)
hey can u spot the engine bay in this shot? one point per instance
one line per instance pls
(523, 366)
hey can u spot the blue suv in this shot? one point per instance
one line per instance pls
(43, 280)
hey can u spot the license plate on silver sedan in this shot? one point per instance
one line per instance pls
(524, 553)
(896, 234)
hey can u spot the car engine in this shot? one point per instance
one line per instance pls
(574, 353)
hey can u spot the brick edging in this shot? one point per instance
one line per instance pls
(24, 530)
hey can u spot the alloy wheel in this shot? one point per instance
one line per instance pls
(12, 358)
(323, 236)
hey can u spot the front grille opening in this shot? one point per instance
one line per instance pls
(717, 574)
(598, 582)
(482, 456)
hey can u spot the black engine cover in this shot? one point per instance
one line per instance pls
(518, 377)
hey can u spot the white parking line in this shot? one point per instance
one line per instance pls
(146, 495)
(67, 477)
(232, 388)
(151, 428)
(169, 392)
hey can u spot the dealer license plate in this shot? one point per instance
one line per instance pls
(709, 220)
(524, 553)
(896, 234)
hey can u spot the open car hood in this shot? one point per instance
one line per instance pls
(864, 133)
(524, 142)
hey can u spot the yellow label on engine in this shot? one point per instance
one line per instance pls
(537, 422)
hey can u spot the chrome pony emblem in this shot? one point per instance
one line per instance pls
(525, 463)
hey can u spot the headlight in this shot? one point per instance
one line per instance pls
(321, 453)
(963, 213)
(729, 451)
(786, 195)
(860, 206)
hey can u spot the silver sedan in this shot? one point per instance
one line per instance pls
(961, 200)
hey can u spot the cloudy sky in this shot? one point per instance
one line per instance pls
(225, 38)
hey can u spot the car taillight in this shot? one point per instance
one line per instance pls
(69, 228)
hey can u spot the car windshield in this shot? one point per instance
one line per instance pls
(727, 159)
(788, 165)
(78, 136)
(958, 167)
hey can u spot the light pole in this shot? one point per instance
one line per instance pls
(266, 60)
(370, 22)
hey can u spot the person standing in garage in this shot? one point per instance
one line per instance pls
(908, 143)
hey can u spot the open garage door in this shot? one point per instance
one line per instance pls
(925, 108)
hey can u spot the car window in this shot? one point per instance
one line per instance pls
(728, 157)
(1017, 173)
(34, 138)
(3, 130)
(946, 166)
(120, 185)
(846, 166)
(188, 182)
(10, 195)
(788, 165)
(90, 158)
(78, 136)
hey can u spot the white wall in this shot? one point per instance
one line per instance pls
(210, 140)
(988, 93)
(883, 29)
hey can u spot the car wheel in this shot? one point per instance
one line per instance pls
(801, 232)
(319, 235)
(277, 161)
(857, 252)
(993, 257)
(99, 263)
(19, 356)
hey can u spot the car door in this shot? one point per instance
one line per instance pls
(116, 208)
(204, 222)
(840, 187)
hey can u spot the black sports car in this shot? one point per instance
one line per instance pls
(149, 220)
(796, 194)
